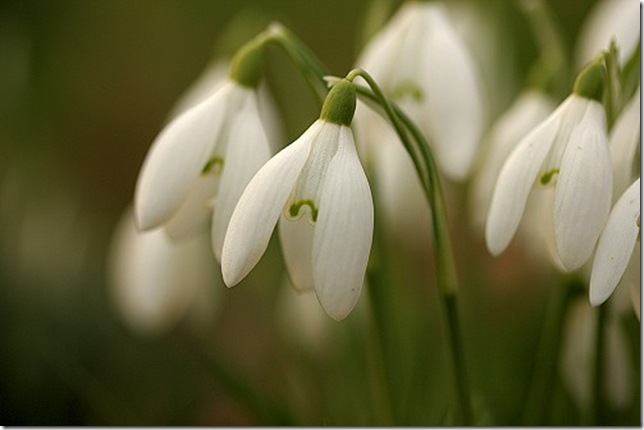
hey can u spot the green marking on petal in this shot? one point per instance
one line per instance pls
(410, 89)
(213, 164)
(547, 177)
(294, 209)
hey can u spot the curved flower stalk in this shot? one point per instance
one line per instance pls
(422, 64)
(568, 151)
(155, 283)
(317, 179)
(529, 109)
(616, 245)
(608, 20)
(205, 157)
(624, 144)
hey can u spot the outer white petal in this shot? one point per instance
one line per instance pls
(454, 105)
(154, 281)
(296, 238)
(176, 159)
(343, 232)
(247, 150)
(528, 110)
(259, 207)
(615, 245)
(583, 190)
(515, 181)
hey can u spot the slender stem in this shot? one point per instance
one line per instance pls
(445, 266)
(597, 406)
(311, 68)
(539, 397)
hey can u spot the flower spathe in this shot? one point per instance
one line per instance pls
(211, 150)
(615, 245)
(569, 151)
(320, 176)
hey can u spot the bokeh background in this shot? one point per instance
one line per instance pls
(85, 86)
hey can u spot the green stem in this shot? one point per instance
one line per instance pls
(445, 264)
(308, 64)
(539, 397)
(598, 399)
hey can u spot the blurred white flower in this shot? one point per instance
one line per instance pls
(608, 20)
(578, 357)
(155, 282)
(529, 109)
(624, 144)
(569, 151)
(211, 150)
(318, 174)
(615, 245)
(422, 64)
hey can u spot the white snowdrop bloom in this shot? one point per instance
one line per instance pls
(569, 151)
(320, 176)
(422, 64)
(616, 245)
(608, 20)
(527, 111)
(624, 144)
(203, 158)
(155, 282)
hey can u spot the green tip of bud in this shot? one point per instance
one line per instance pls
(246, 65)
(590, 81)
(340, 104)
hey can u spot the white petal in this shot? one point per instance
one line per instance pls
(194, 216)
(583, 190)
(515, 182)
(259, 207)
(176, 159)
(454, 102)
(615, 245)
(154, 281)
(343, 232)
(247, 150)
(296, 238)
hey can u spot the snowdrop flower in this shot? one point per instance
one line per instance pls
(527, 111)
(205, 157)
(421, 63)
(615, 245)
(319, 175)
(568, 151)
(155, 283)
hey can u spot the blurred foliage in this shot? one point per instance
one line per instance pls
(86, 86)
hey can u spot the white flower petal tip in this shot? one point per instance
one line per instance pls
(615, 245)
(318, 177)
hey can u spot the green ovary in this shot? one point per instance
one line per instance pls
(214, 164)
(546, 178)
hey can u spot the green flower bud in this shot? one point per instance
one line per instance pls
(340, 104)
(590, 81)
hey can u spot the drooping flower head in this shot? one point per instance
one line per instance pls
(205, 157)
(567, 151)
(422, 64)
(317, 190)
